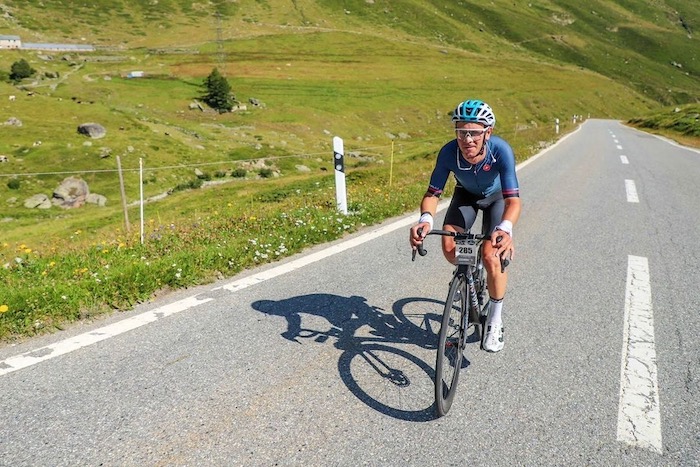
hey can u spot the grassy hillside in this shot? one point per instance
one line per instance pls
(382, 75)
(632, 41)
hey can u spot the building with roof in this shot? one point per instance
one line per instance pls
(10, 42)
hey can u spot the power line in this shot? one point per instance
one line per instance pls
(220, 44)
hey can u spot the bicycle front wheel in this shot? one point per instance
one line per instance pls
(450, 345)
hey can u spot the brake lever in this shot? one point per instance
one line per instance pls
(419, 248)
(504, 261)
(504, 264)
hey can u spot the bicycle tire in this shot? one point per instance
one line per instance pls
(450, 346)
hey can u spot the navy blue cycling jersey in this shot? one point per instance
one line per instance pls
(496, 172)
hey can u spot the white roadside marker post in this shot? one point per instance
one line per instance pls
(339, 165)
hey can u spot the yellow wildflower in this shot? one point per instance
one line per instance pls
(4, 308)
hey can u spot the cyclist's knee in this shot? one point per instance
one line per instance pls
(491, 261)
(449, 253)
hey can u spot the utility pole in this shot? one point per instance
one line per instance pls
(221, 58)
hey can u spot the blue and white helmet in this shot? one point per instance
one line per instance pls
(474, 111)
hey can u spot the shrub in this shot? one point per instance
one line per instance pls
(13, 184)
(265, 172)
(238, 173)
(190, 185)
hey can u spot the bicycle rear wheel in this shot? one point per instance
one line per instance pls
(450, 346)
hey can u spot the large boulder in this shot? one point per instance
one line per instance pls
(71, 193)
(94, 198)
(40, 201)
(93, 130)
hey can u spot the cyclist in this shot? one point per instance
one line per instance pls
(484, 168)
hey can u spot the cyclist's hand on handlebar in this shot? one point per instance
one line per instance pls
(503, 244)
(418, 233)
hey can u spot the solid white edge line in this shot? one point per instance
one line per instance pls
(69, 345)
(532, 159)
(631, 191)
(639, 414)
(91, 337)
(319, 255)
(662, 138)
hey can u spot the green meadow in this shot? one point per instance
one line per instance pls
(231, 191)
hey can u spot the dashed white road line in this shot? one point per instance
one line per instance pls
(631, 190)
(624, 160)
(619, 147)
(639, 415)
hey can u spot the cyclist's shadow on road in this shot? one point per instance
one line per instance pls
(377, 364)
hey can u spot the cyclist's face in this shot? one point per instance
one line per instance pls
(471, 138)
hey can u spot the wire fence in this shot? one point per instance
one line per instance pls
(216, 163)
(510, 133)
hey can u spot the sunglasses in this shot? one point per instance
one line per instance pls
(463, 133)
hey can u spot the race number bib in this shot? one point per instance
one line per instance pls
(466, 252)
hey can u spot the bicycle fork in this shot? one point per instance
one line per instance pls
(470, 310)
(473, 310)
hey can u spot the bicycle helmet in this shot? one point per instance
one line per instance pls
(474, 111)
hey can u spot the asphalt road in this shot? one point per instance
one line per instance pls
(327, 358)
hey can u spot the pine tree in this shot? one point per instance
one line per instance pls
(218, 92)
(20, 70)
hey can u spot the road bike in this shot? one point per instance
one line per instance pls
(464, 314)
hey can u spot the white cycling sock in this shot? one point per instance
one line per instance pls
(495, 311)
